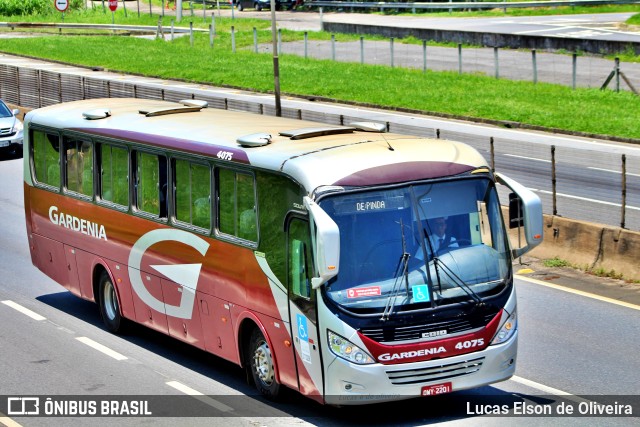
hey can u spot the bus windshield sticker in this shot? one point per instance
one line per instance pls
(371, 291)
(420, 293)
(303, 335)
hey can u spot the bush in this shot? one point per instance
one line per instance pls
(33, 7)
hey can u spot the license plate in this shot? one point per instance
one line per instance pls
(433, 390)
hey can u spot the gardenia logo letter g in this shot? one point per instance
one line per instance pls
(185, 275)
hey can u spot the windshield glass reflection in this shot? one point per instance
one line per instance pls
(418, 246)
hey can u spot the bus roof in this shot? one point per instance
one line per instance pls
(320, 157)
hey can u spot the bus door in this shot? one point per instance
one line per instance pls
(302, 307)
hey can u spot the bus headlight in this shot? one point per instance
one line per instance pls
(347, 350)
(507, 329)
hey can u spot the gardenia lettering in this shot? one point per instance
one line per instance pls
(411, 354)
(77, 224)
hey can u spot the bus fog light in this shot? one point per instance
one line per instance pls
(347, 350)
(507, 329)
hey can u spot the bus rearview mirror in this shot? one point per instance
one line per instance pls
(325, 238)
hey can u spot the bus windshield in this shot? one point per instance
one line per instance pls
(418, 246)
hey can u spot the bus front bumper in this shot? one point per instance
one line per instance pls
(350, 384)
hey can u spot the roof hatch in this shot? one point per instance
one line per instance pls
(188, 106)
(305, 133)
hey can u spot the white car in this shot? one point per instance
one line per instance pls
(10, 130)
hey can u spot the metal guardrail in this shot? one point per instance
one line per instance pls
(464, 5)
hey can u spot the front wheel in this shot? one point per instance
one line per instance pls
(258, 7)
(261, 366)
(109, 306)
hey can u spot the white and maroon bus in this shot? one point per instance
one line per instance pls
(346, 263)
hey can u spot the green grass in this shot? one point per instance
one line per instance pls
(547, 105)
(469, 95)
(556, 262)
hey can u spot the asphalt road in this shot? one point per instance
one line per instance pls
(569, 344)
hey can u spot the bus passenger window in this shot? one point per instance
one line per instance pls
(151, 183)
(114, 174)
(78, 161)
(237, 205)
(46, 157)
(193, 193)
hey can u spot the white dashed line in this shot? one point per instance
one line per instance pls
(612, 171)
(24, 310)
(528, 158)
(201, 397)
(8, 422)
(569, 196)
(101, 348)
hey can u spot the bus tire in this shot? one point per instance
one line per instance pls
(261, 367)
(109, 305)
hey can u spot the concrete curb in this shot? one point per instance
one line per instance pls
(589, 245)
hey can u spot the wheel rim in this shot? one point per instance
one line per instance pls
(263, 363)
(110, 301)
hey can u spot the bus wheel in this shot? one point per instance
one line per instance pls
(261, 366)
(109, 307)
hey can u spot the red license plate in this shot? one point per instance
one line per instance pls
(433, 390)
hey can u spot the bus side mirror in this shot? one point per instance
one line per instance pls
(325, 238)
(525, 209)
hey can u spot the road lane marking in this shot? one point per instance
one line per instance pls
(528, 158)
(24, 310)
(8, 422)
(585, 199)
(101, 348)
(543, 388)
(612, 171)
(201, 397)
(578, 292)
(548, 390)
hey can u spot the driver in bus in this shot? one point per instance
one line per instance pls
(440, 240)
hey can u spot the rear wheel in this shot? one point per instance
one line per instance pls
(109, 306)
(260, 364)
(258, 7)
(239, 7)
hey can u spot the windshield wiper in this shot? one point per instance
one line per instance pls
(403, 263)
(449, 273)
(459, 282)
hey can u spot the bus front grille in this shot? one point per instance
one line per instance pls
(435, 373)
(417, 331)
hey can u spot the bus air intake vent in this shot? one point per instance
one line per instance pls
(97, 114)
(186, 106)
(442, 372)
(305, 133)
(254, 140)
(369, 126)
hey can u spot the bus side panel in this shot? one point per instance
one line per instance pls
(70, 254)
(51, 259)
(215, 315)
(27, 214)
(84, 264)
(187, 330)
(145, 314)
